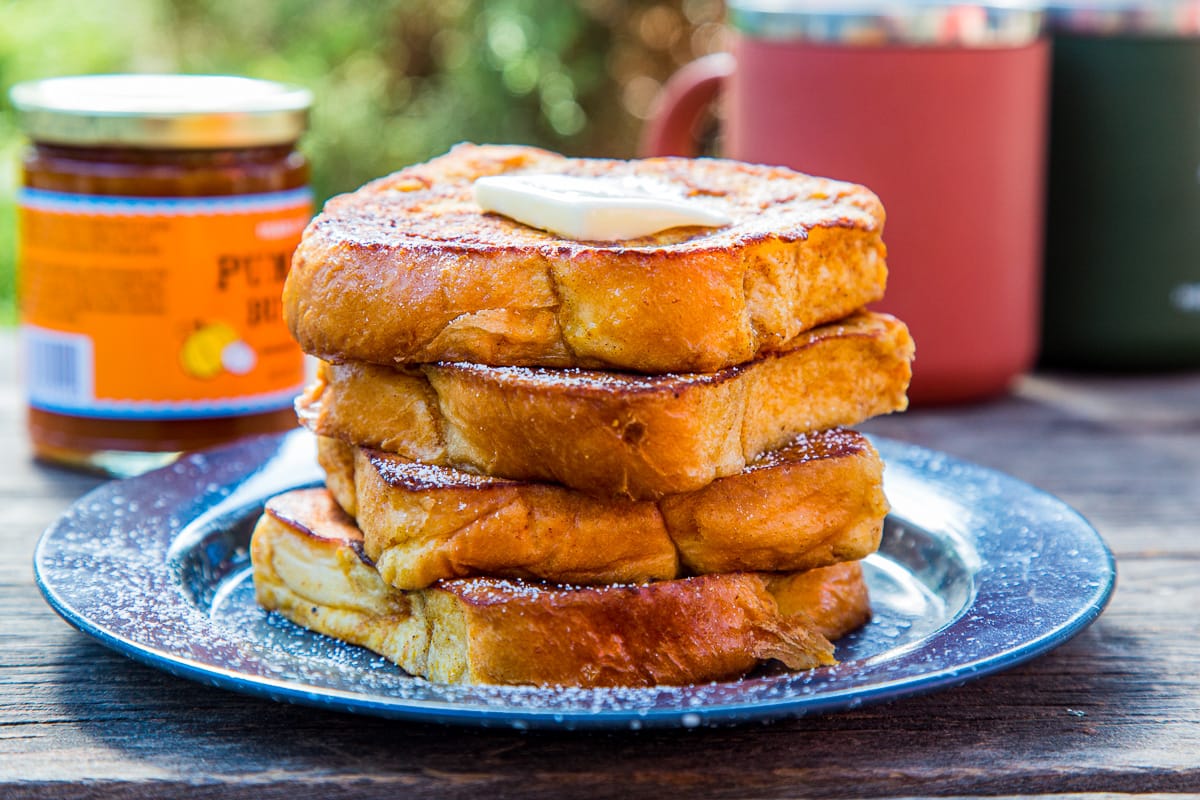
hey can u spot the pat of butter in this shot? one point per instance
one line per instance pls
(600, 208)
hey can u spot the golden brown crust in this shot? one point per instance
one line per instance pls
(834, 598)
(617, 434)
(502, 528)
(495, 631)
(337, 459)
(816, 502)
(712, 627)
(409, 270)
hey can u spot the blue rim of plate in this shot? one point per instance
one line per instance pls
(156, 568)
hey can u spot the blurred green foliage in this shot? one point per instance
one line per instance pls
(395, 81)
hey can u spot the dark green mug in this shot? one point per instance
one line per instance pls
(1122, 265)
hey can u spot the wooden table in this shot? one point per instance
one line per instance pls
(1115, 710)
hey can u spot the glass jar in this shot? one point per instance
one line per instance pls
(157, 219)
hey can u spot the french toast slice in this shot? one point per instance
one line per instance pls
(818, 501)
(616, 434)
(408, 269)
(309, 566)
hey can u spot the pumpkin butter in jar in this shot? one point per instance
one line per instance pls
(157, 219)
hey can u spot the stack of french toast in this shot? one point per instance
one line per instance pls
(587, 463)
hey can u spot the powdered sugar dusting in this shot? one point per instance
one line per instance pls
(812, 446)
(417, 476)
(157, 567)
(435, 202)
(587, 380)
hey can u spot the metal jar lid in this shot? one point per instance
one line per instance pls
(1167, 18)
(880, 22)
(161, 111)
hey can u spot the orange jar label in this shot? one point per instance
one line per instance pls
(158, 308)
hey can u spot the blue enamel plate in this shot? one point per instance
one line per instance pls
(977, 572)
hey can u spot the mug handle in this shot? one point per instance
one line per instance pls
(684, 97)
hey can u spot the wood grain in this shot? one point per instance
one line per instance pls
(1116, 710)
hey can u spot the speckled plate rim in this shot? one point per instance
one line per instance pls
(1039, 574)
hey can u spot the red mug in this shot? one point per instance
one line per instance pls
(941, 110)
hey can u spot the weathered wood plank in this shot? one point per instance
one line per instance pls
(1116, 709)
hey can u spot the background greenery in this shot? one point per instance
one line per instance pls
(395, 81)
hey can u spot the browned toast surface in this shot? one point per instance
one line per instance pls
(409, 269)
(308, 565)
(818, 501)
(617, 434)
